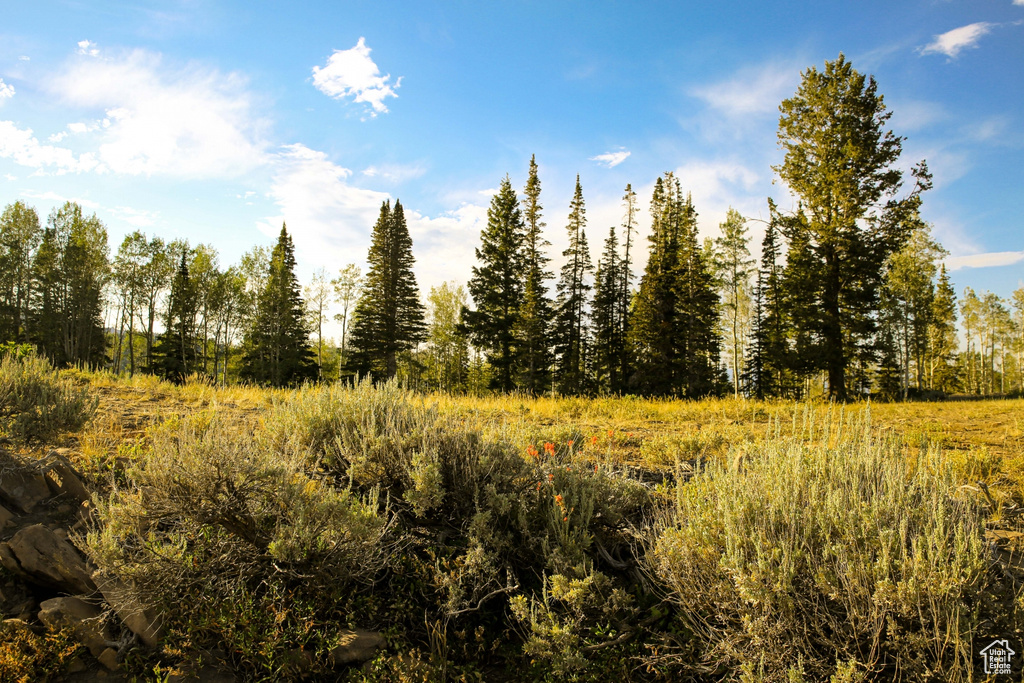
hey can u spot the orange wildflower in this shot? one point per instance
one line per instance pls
(570, 444)
(593, 440)
(549, 447)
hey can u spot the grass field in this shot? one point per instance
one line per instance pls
(520, 538)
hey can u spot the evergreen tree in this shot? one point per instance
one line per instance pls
(176, 353)
(673, 336)
(841, 164)
(277, 349)
(625, 284)
(535, 314)
(497, 287)
(942, 341)
(769, 337)
(607, 340)
(70, 271)
(571, 313)
(389, 315)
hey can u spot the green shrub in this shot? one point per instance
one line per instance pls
(36, 403)
(239, 546)
(847, 551)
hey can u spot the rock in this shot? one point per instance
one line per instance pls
(84, 619)
(108, 658)
(356, 647)
(142, 621)
(48, 560)
(5, 516)
(10, 562)
(21, 486)
(63, 480)
(75, 666)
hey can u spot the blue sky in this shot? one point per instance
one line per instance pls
(215, 121)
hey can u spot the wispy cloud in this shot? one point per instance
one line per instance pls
(185, 121)
(352, 73)
(989, 260)
(6, 90)
(395, 173)
(611, 159)
(752, 90)
(952, 43)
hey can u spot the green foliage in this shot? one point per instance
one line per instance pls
(535, 314)
(840, 162)
(570, 324)
(388, 318)
(176, 354)
(260, 550)
(277, 350)
(36, 403)
(497, 286)
(847, 550)
(673, 337)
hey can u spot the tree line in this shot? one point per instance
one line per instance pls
(849, 297)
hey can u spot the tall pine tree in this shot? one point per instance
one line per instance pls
(608, 338)
(497, 287)
(535, 315)
(841, 163)
(571, 312)
(389, 317)
(674, 335)
(277, 349)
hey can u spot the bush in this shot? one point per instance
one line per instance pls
(36, 403)
(257, 550)
(847, 551)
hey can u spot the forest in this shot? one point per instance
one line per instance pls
(849, 297)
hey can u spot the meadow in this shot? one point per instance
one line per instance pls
(534, 538)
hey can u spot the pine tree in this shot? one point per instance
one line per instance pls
(70, 271)
(840, 162)
(571, 306)
(769, 339)
(497, 287)
(277, 349)
(176, 353)
(942, 341)
(607, 338)
(535, 314)
(673, 336)
(625, 283)
(389, 316)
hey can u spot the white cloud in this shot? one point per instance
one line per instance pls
(329, 219)
(57, 137)
(88, 48)
(23, 58)
(8, 176)
(951, 43)
(611, 159)
(351, 73)
(6, 90)
(395, 173)
(24, 149)
(991, 259)
(181, 121)
(753, 90)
